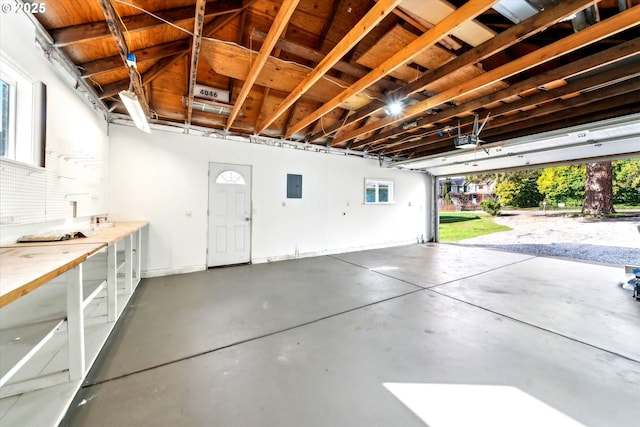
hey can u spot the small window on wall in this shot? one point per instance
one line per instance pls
(378, 191)
(23, 116)
(7, 110)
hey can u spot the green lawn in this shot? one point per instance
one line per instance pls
(459, 226)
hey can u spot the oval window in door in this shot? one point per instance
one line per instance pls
(230, 177)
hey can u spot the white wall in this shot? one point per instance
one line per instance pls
(77, 146)
(162, 178)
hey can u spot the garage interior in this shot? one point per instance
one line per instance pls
(337, 118)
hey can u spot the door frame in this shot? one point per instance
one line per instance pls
(209, 208)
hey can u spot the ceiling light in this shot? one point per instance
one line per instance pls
(394, 108)
(134, 108)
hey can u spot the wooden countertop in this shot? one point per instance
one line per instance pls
(26, 266)
(23, 269)
(109, 235)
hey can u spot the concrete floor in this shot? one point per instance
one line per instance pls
(406, 336)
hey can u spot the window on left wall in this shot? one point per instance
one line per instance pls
(23, 116)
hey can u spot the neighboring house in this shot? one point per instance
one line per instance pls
(465, 195)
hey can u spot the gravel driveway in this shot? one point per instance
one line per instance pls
(613, 241)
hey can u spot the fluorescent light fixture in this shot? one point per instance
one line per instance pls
(212, 107)
(134, 108)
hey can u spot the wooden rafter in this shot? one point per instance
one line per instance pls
(613, 25)
(502, 41)
(592, 103)
(446, 41)
(591, 84)
(112, 20)
(198, 25)
(335, 5)
(267, 90)
(315, 56)
(280, 22)
(98, 30)
(465, 13)
(612, 55)
(157, 69)
(151, 53)
(381, 9)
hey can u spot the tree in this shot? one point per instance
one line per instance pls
(519, 189)
(598, 189)
(626, 181)
(563, 184)
(446, 189)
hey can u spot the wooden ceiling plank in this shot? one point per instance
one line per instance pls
(240, 41)
(582, 106)
(290, 115)
(502, 41)
(150, 53)
(279, 24)
(592, 34)
(97, 30)
(568, 116)
(609, 56)
(590, 84)
(112, 19)
(335, 4)
(595, 96)
(198, 26)
(235, 62)
(209, 29)
(446, 41)
(376, 14)
(468, 11)
(309, 54)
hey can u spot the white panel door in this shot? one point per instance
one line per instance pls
(229, 214)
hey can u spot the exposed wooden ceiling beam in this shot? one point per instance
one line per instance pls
(112, 20)
(613, 25)
(335, 5)
(309, 54)
(280, 22)
(575, 111)
(447, 41)
(579, 110)
(198, 25)
(96, 30)
(376, 14)
(157, 69)
(610, 108)
(265, 96)
(468, 11)
(208, 30)
(502, 41)
(103, 65)
(500, 117)
(558, 107)
(589, 63)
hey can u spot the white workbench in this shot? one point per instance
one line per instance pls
(59, 302)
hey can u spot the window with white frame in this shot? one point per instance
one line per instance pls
(21, 119)
(378, 191)
(7, 111)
